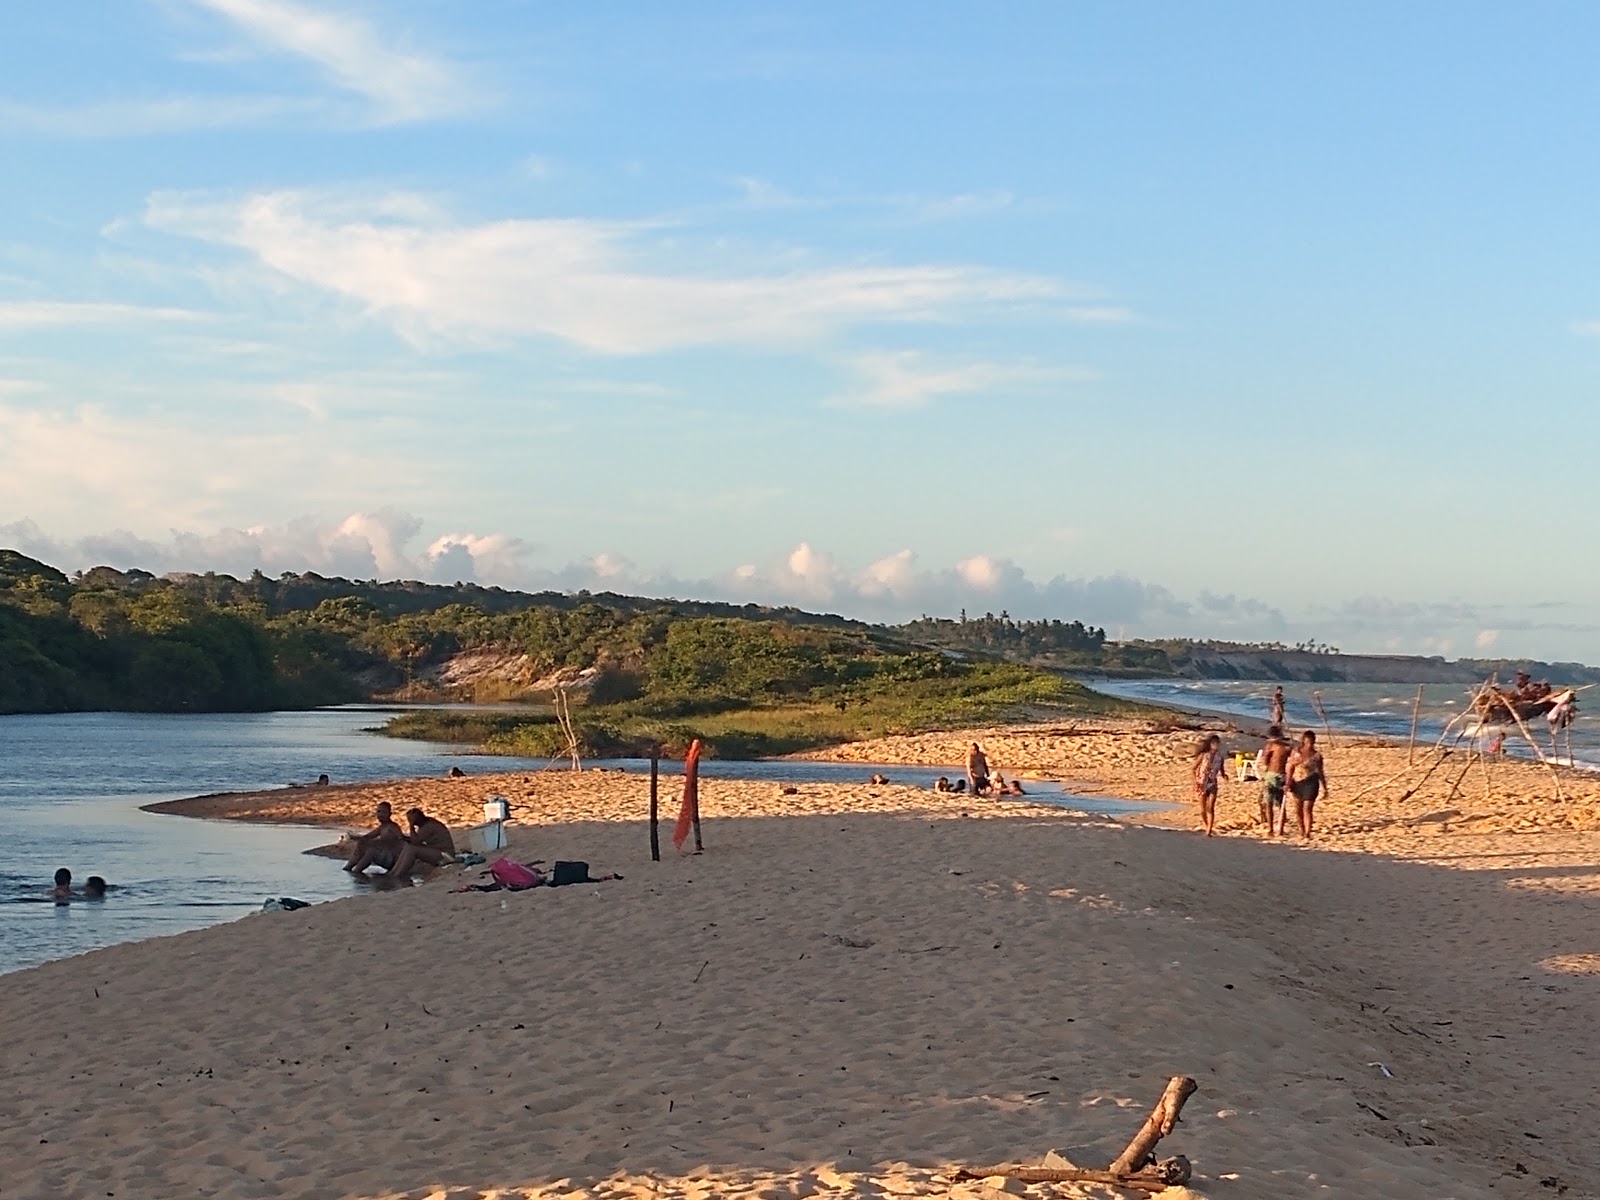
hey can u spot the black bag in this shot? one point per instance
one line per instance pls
(570, 872)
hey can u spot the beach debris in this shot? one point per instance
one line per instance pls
(1383, 1070)
(283, 904)
(1135, 1168)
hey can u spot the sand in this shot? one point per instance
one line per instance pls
(853, 990)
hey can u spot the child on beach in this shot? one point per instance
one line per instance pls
(1207, 767)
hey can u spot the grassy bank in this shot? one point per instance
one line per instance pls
(746, 727)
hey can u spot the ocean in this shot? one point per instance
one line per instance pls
(1375, 708)
(73, 784)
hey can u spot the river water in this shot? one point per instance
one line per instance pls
(71, 787)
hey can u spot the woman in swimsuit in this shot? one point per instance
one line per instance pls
(1307, 779)
(1207, 767)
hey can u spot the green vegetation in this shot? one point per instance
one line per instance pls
(639, 673)
(751, 689)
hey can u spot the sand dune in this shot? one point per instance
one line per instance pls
(853, 990)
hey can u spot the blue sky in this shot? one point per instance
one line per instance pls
(1246, 320)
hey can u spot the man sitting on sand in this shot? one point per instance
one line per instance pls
(978, 770)
(1273, 760)
(378, 847)
(430, 843)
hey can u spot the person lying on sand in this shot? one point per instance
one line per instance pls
(1207, 768)
(429, 843)
(1307, 777)
(1273, 760)
(378, 847)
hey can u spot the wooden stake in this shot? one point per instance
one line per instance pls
(1327, 726)
(1170, 1172)
(1416, 711)
(655, 804)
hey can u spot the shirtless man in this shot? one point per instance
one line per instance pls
(1277, 706)
(1207, 779)
(63, 887)
(378, 847)
(1274, 760)
(1307, 778)
(430, 843)
(978, 770)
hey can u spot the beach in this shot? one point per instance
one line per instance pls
(854, 990)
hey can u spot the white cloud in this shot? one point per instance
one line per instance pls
(1486, 639)
(400, 84)
(52, 314)
(137, 116)
(383, 543)
(587, 282)
(909, 379)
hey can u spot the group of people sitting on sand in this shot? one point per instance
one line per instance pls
(429, 844)
(94, 888)
(978, 779)
(1293, 772)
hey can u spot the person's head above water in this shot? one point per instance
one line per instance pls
(63, 878)
(94, 886)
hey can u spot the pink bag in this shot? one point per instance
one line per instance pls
(513, 876)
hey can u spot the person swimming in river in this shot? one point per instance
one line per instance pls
(63, 887)
(1307, 779)
(1271, 764)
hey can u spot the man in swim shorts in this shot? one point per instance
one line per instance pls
(1273, 763)
(429, 843)
(978, 770)
(1307, 778)
(379, 847)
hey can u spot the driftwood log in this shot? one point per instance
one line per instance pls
(1135, 1168)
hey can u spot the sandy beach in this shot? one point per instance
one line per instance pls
(852, 991)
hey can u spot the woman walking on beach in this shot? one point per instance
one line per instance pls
(1207, 768)
(1307, 778)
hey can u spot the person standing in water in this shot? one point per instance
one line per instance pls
(1277, 705)
(1307, 779)
(1207, 768)
(1272, 762)
(978, 770)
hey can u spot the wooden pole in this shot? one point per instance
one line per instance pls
(694, 818)
(655, 804)
(1327, 727)
(1416, 711)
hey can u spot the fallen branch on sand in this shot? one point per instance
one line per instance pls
(1135, 1168)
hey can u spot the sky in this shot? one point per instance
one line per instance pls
(1242, 320)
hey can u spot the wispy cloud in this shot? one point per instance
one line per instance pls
(591, 283)
(134, 116)
(48, 314)
(909, 379)
(400, 84)
(374, 80)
